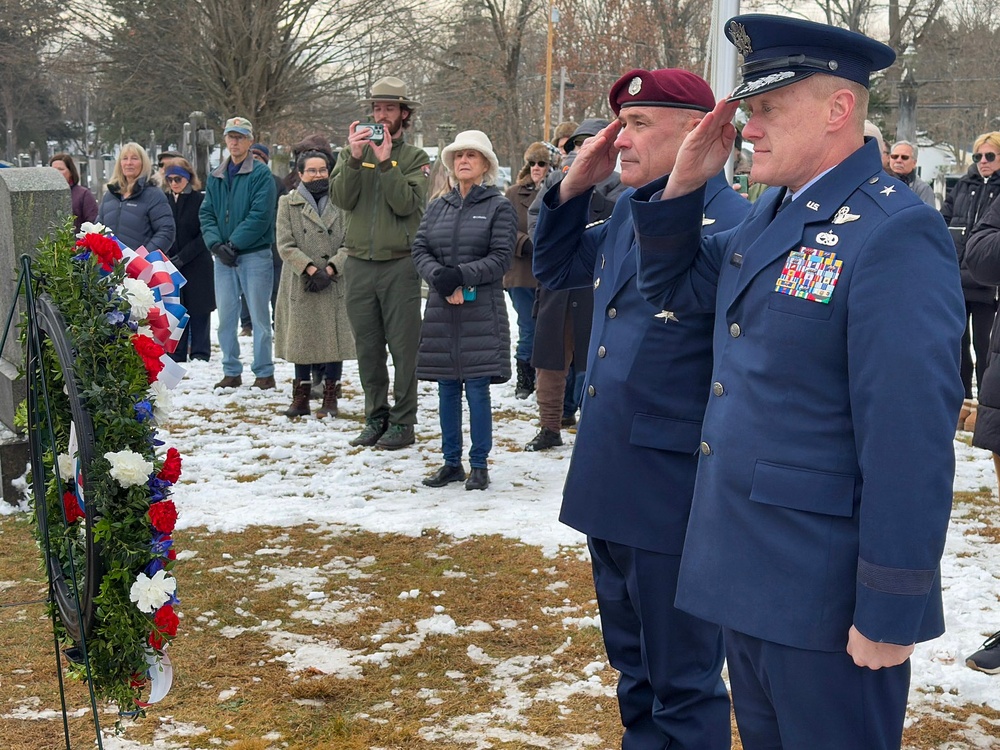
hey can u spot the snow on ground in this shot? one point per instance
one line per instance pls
(273, 471)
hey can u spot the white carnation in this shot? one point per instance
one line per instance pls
(139, 296)
(91, 228)
(129, 468)
(163, 401)
(67, 467)
(149, 594)
(146, 331)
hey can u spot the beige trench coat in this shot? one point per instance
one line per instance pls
(310, 327)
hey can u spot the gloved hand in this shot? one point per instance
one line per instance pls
(446, 280)
(318, 281)
(226, 253)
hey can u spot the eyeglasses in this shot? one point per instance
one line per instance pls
(537, 163)
(904, 157)
(175, 179)
(322, 170)
(989, 156)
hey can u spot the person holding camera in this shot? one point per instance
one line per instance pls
(237, 224)
(310, 321)
(463, 248)
(380, 182)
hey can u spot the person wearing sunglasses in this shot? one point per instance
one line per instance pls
(519, 282)
(965, 205)
(192, 258)
(903, 166)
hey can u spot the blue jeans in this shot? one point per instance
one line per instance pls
(477, 393)
(523, 299)
(251, 277)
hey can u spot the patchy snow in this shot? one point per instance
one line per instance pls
(279, 472)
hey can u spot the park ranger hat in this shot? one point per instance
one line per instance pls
(389, 89)
(778, 51)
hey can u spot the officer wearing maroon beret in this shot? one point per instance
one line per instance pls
(631, 477)
(825, 481)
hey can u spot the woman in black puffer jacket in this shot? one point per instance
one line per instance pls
(463, 247)
(965, 205)
(982, 258)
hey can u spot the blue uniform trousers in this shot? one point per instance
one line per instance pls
(670, 691)
(792, 699)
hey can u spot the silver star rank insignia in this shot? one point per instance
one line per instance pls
(888, 190)
(667, 315)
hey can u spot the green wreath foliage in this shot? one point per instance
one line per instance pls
(112, 379)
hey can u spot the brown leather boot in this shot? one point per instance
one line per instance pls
(331, 392)
(300, 399)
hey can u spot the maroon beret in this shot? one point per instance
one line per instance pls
(667, 87)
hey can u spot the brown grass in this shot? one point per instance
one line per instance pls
(523, 595)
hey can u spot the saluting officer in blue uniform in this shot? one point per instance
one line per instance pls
(632, 473)
(825, 480)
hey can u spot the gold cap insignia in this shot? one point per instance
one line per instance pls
(634, 86)
(740, 38)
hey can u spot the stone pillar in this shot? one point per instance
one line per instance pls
(32, 201)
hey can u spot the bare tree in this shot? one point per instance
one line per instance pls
(276, 62)
(25, 28)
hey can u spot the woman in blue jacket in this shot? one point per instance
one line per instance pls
(137, 212)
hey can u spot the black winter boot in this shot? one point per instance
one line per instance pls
(331, 392)
(525, 379)
(300, 399)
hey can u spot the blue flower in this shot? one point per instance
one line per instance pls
(161, 544)
(115, 317)
(157, 489)
(158, 564)
(143, 409)
(85, 255)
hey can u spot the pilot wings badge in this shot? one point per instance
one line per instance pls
(844, 215)
(667, 316)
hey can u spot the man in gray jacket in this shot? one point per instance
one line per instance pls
(903, 166)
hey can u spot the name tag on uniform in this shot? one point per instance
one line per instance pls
(810, 274)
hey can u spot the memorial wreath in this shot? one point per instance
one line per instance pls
(121, 314)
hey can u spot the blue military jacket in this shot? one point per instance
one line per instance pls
(825, 481)
(648, 374)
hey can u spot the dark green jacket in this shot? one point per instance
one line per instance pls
(383, 202)
(241, 211)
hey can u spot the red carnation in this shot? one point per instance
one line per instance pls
(171, 470)
(166, 623)
(105, 248)
(150, 352)
(171, 555)
(163, 516)
(73, 510)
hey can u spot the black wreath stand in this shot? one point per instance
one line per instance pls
(71, 592)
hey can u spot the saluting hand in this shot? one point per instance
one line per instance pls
(595, 161)
(704, 151)
(875, 655)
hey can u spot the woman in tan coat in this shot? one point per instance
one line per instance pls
(310, 320)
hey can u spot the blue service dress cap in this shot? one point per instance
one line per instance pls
(778, 51)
